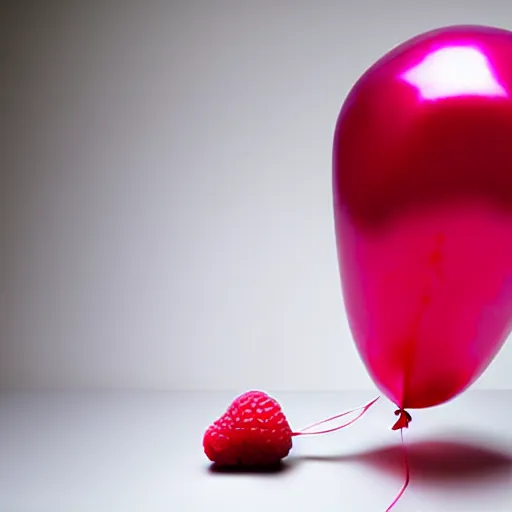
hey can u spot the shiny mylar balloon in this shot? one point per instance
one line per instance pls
(422, 184)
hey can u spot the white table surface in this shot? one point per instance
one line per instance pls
(143, 452)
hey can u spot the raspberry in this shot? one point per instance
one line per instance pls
(252, 432)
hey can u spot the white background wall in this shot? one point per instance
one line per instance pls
(166, 188)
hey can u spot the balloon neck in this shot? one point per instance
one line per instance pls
(404, 418)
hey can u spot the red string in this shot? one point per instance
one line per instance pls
(404, 421)
(407, 474)
(364, 408)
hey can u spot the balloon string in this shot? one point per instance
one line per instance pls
(304, 431)
(407, 474)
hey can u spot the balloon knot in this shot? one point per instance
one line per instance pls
(403, 420)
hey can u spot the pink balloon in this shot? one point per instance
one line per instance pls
(422, 184)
